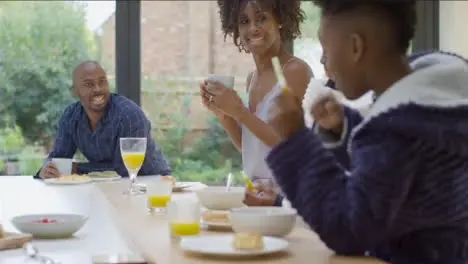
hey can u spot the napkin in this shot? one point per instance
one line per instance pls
(315, 91)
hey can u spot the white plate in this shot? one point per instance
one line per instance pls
(103, 176)
(180, 186)
(106, 179)
(221, 245)
(118, 259)
(216, 224)
(62, 182)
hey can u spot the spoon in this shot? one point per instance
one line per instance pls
(229, 181)
(33, 253)
(248, 182)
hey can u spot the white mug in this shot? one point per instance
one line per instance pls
(64, 166)
(226, 80)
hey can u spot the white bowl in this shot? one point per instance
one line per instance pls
(65, 225)
(217, 198)
(269, 221)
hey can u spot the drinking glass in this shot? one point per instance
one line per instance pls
(266, 182)
(270, 184)
(158, 194)
(133, 154)
(184, 218)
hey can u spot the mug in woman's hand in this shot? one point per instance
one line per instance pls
(227, 81)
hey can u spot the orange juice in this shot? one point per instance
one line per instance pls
(133, 161)
(158, 200)
(184, 229)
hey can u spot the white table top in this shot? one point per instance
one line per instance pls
(23, 195)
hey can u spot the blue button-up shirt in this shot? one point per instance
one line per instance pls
(123, 118)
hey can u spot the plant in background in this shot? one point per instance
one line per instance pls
(30, 160)
(311, 24)
(11, 140)
(42, 41)
(210, 157)
(215, 147)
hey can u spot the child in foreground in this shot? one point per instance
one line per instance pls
(403, 196)
(333, 119)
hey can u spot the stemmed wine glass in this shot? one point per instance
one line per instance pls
(133, 152)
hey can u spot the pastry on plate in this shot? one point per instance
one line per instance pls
(73, 177)
(170, 178)
(215, 216)
(103, 174)
(248, 240)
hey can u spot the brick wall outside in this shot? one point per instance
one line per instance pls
(180, 40)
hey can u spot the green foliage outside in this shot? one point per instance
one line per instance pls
(42, 41)
(11, 139)
(210, 157)
(311, 24)
(12, 146)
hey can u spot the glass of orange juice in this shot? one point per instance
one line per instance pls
(133, 152)
(158, 195)
(184, 218)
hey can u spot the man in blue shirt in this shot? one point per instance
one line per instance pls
(95, 124)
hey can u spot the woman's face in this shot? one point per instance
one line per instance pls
(258, 29)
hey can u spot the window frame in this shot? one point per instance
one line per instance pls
(128, 42)
(128, 50)
(428, 26)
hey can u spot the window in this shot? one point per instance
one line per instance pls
(181, 43)
(453, 20)
(308, 47)
(41, 43)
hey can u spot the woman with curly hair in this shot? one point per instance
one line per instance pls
(260, 28)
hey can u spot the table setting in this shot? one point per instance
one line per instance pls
(22, 196)
(180, 231)
(104, 218)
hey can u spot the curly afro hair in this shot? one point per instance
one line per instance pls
(287, 13)
(400, 13)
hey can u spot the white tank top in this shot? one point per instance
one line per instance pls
(254, 152)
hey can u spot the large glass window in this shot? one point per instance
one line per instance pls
(41, 43)
(453, 20)
(181, 43)
(308, 47)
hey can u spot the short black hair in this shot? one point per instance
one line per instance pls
(288, 13)
(400, 13)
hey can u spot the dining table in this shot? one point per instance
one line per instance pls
(121, 224)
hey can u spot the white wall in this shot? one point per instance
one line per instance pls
(454, 26)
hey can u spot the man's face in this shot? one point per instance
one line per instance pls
(91, 87)
(342, 57)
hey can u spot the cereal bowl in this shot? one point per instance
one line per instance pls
(269, 221)
(217, 198)
(52, 226)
